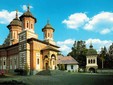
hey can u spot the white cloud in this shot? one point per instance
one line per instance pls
(105, 31)
(76, 20)
(6, 16)
(101, 23)
(24, 7)
(66, 45)
(98, 44)
(67, 42)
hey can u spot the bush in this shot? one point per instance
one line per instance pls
(69, 71)
(20, 71)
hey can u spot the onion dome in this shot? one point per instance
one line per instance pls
(15, 21)
(48, 26)
(27, 14)
(91, 51)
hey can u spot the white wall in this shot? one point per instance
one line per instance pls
(75, 68)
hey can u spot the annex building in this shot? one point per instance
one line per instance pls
(22, 48)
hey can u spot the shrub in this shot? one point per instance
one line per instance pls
(20, 71)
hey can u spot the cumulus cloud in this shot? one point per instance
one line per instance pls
(98, 44)
(101, 23)
(76, 20)
(24, 7)
(105, 31)
(66, 45)
(6, 16)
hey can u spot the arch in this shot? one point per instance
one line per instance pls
(53, 56)
(53, 62)
(92, 70)
(46, 62)
(45, 56)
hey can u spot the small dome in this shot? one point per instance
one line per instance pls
(91, 52)
(27, 14)
(48, 26)
(15, 22)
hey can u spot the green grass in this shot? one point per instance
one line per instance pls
(65, 78)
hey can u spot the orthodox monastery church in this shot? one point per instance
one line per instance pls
(22, 48)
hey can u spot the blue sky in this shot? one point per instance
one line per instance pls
(89, 20)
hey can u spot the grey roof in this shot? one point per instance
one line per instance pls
(28, 14)
(15, 22)
(48, 26)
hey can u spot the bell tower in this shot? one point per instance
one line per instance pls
(48, 33)
(28, 20)
(15, 28)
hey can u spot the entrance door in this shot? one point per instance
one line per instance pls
(47, 67)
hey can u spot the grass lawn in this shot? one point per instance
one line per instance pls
(65, 78)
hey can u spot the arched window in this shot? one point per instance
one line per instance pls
(94, 61)
(48, 34)
(27, 24)
(31, 26)
(14, 34)
(4, 63)
(53, 62)
(89, 61)
(38, 61)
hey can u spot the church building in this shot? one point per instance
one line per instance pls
(22, 48)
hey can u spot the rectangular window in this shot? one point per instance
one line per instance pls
(71, 66)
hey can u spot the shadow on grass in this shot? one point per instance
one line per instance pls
(44, 72)
(3, 76)
(13, 82)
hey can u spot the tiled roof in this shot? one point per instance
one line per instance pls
(66, 60)
(48, 47)
(15, 22)
(48, 26)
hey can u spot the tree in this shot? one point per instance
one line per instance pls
(78, 52)
(103, 54)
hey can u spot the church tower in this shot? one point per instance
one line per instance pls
(28, 20)
(15, 28)
(48, 33)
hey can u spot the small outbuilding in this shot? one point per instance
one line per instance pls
(67, 63)
(91, 60)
